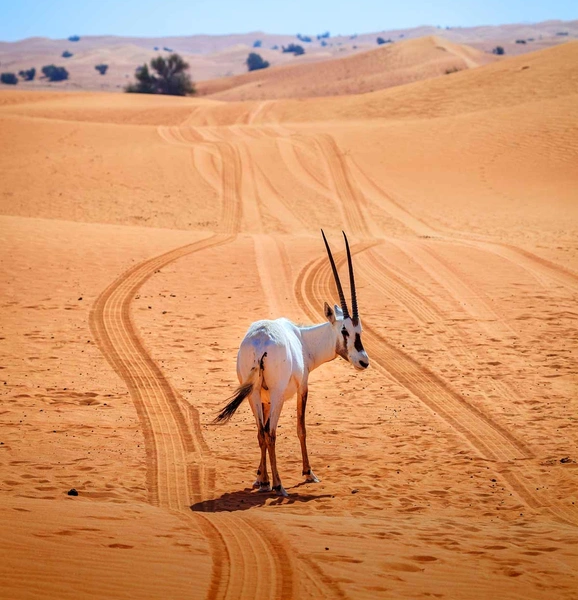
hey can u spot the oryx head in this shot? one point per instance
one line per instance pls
(347, 327)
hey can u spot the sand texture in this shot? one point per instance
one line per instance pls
(139, 238)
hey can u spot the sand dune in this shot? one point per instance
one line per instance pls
(386, 66)
(140, 237)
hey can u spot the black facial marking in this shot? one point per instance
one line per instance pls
(345, 333)
(357, 344)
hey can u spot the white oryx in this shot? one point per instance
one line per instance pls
(274, 362)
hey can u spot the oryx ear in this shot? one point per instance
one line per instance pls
(329, 314)
(338, 311)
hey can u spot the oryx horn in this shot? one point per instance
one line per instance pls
(355, 313)
(337, 282)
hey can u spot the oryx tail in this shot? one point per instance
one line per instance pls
(254, 381)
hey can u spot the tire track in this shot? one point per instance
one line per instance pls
(489, 439)
(180, 469)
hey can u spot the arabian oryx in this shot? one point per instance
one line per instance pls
(274, 362)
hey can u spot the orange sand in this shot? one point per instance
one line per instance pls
(140, 236)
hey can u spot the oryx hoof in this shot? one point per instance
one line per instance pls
(310, 476)
(280, 491)
(264, 486)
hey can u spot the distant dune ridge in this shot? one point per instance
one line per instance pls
(142, 234)
(386, 66)
(214, 57)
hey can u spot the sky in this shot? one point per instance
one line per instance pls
(20, 19)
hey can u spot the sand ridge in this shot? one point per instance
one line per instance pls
(142, 235)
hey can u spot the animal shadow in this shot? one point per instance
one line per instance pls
(249, 498)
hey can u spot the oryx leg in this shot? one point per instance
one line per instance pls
(270, 431)
(259, 412)
(302, 434)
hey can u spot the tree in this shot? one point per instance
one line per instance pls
(101, 68)
(257, 44)
(498, 50)
(169, 77)
(67, 54)
(381, 40)
(9, 78)
(74, 38)
(28, 74)
(54, 73)
(295, 48)
(255, 62)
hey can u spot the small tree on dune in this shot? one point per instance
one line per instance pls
(169, 77)
(255, 62)
(9, 78)
(101, 68)
(28, 74)
(498, 50)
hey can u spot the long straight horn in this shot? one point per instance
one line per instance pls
(355, 315)
(337, 282)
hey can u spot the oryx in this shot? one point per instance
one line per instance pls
(274, 362)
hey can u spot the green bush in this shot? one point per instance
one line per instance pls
(74, 38)
(169, 77)
(28, 74)
(67, 54)
(101, 68)
(498, 50)
(295, 48)
(255, 62)
(54, 73)
(9, 78)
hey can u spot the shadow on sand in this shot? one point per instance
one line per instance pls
(249, 498)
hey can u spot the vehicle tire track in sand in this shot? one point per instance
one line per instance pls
(179, 464)
(315, 283)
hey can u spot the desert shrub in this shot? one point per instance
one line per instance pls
(67, 54)
(74, 38)
(451, 70)
(325, 35)
(295, 48)
(169, 77)
(324, 42)
(257, 43)
(156, 48)
(167, 49)
(28, 74)
(498, 50)
(275, 47)
(54, 73)
(255, 62)
(520, 41)
(381, 40)
(303, 38)
(101, 68)
(9, 78)
(562, 33)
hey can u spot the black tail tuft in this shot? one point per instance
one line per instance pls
(242, 392)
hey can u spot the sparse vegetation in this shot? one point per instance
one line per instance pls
(381, 40)
(28, 74)
(562, 33)
(520, 41)
(101, 68)
(257, 44)
(170, 77)
(321, 36)
(303, 38)
(54, 73)
(67, 54)
(167, 49)
(451, 70)
(255, 62)
(498, 50)
(74, 38)
(295, 49)
(9, 78)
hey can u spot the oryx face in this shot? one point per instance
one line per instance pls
(347, 327)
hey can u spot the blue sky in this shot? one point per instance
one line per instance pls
(60, 18)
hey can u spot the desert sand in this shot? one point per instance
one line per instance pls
(224, 56)
(139, 238)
